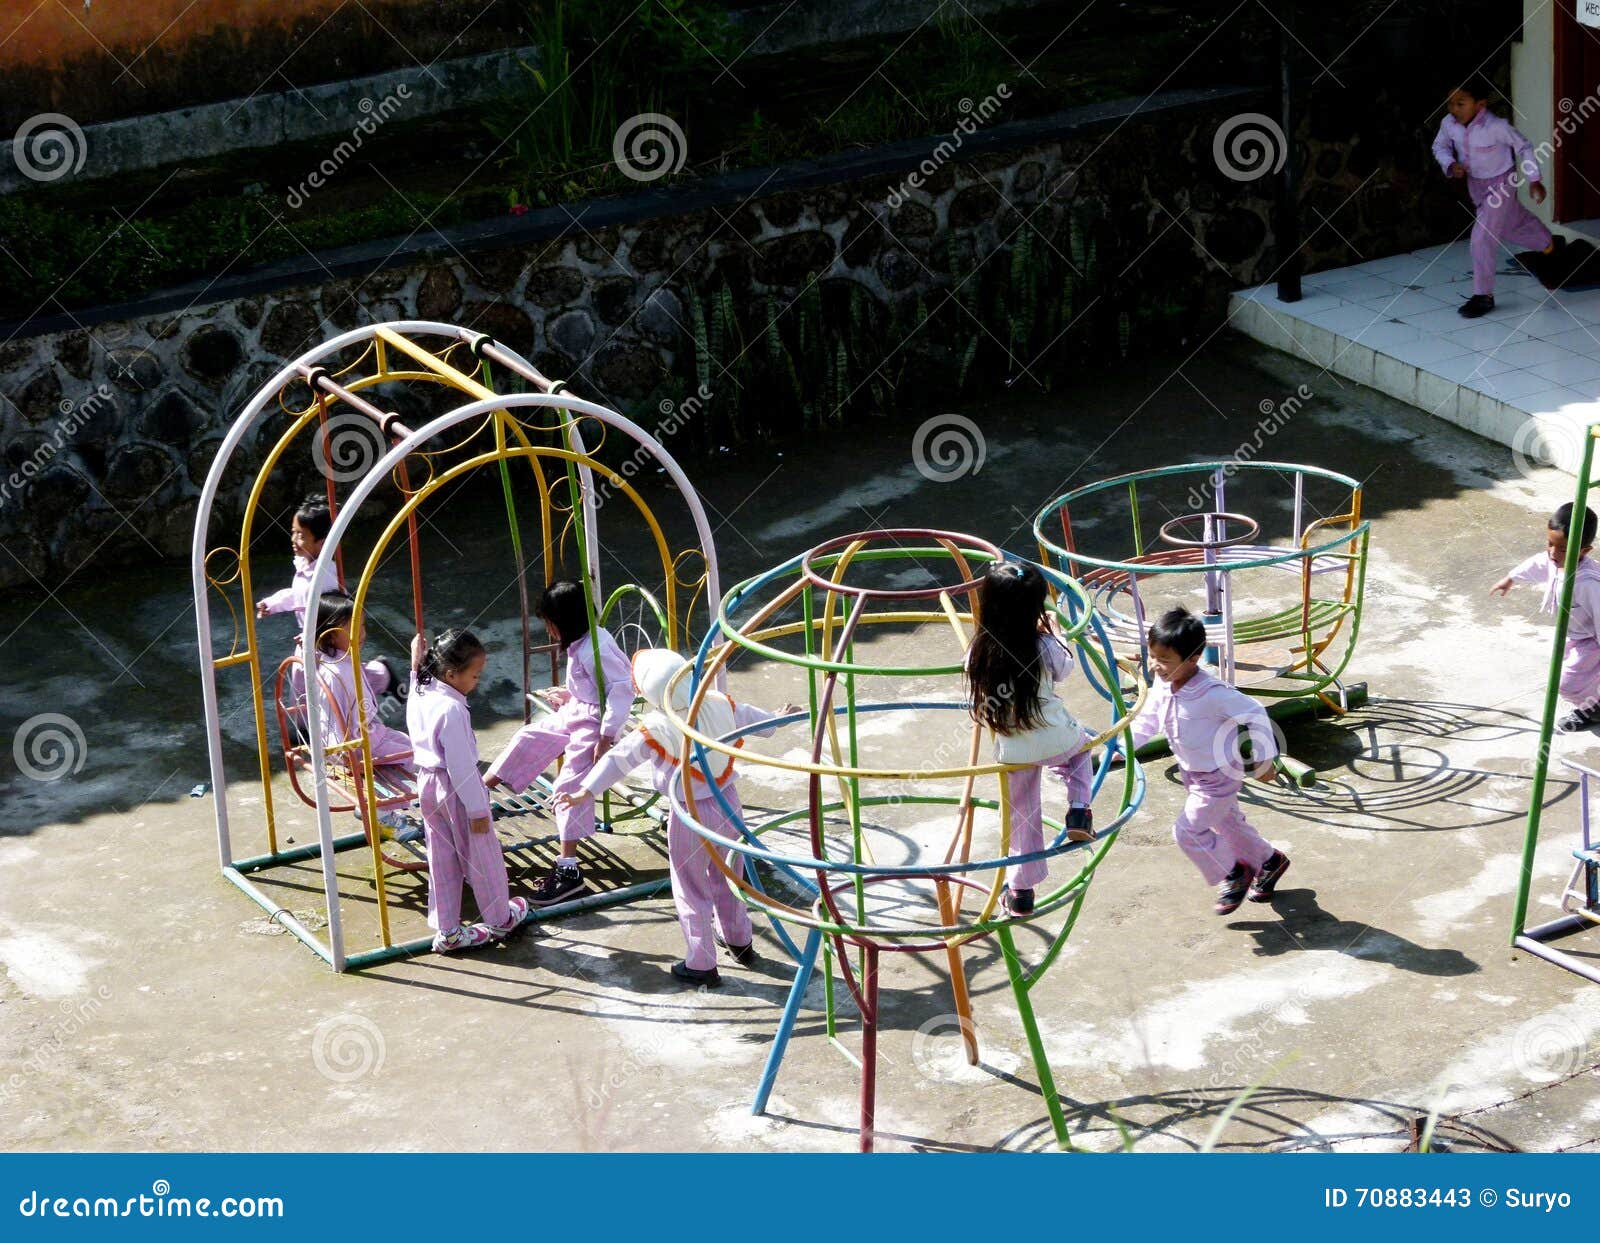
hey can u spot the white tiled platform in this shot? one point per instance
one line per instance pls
(1526, 375)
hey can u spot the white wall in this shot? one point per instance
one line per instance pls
(1533, 88)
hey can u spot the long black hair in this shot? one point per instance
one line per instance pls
(1003, 663)
(563, 606)
(335, 609)
(450, 652)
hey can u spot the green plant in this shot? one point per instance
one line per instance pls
(601, 62)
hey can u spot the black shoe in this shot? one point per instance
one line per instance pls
(558, 886)
(1079, 825)
(1233, 888)
(1473, 307)
(700, 979)
(1016, 902)
(745, 955)
(1576, 722)
(1261, 888)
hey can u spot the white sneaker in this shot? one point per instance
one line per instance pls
(466, 937)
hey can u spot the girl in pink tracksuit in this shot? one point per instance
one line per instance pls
(1495, 159)
(1015, 648)
(307, 531)
(578, 732)
(456, 815)
(1580, 664)
(1201, 718)
(699, 889)
(337, 675)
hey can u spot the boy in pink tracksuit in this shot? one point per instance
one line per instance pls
(578, 732)
(456, 815)
(1495, 159)
(1580, 664)
(1201, 717)
(699, 889)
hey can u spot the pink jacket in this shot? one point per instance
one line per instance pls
(639, 748)
(1489, 146)
(297, 594)
(618, 673)
(337, 677)
(1543, 572)
(440, 725)
(1201, 721)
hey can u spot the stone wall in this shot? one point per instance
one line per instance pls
(112, 426)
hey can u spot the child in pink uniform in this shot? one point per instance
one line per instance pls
(578, 733)
(1580, 664)
(455, 806)
(1494, 158)
(1015, 649)
(337, 676)
(1200, 717)
(699, 889)
(308, 530)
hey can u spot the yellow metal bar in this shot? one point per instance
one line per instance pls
(380, 547)
(238, 658)
(252, 645)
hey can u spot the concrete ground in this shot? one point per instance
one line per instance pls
(146, 1004)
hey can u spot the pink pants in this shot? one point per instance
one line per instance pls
(1027, 814)
(1211, 828)
(456, 853)
(1502, 222)
(570, 733)
(1580, 673)
(699, 889)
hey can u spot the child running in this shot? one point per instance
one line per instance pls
(308, 531)
(577, 732)
(1012, 666)
(1200, 717)
(699, 889)
(1494, 159)
(455, 806)
(1580, 663)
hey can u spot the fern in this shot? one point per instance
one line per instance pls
(966, 363)
(702, 347)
